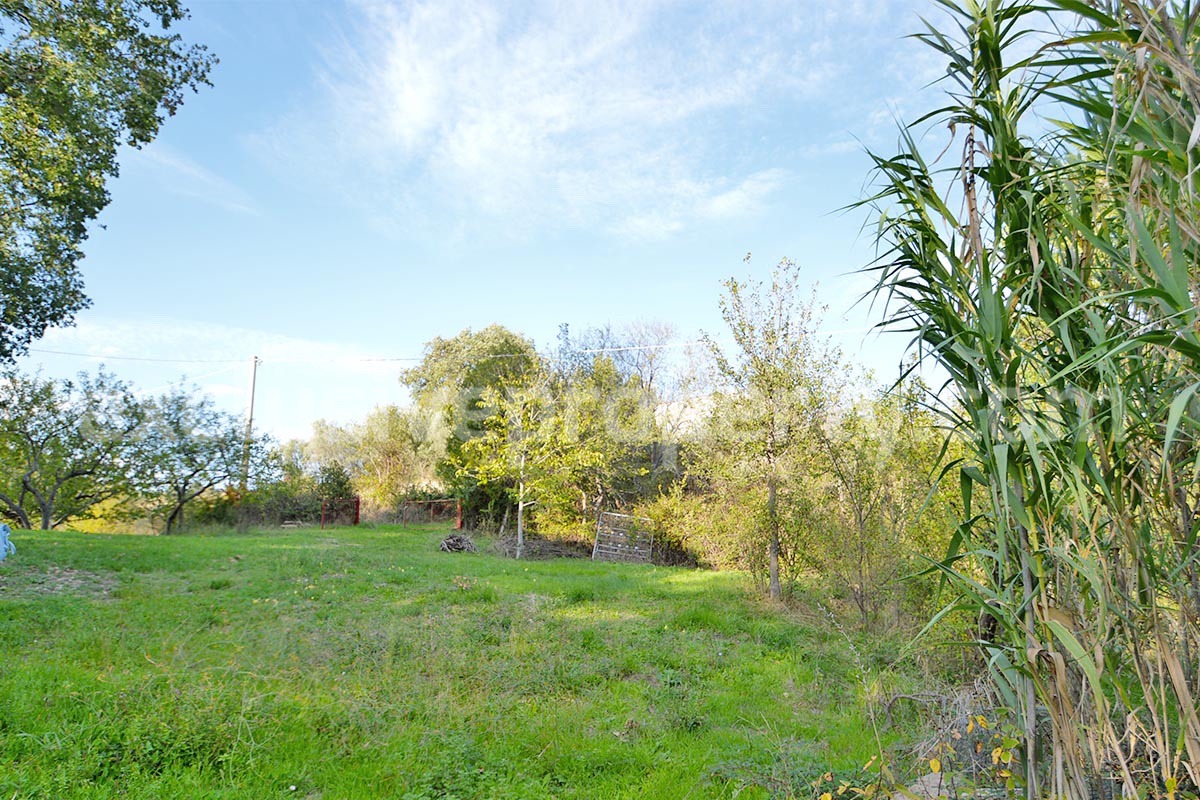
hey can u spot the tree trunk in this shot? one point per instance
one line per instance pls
(521, 524)
(175, 518)
(521, 509)
(45, 505)
(13, 511)
(773, 552)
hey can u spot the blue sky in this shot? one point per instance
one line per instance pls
(365, 176)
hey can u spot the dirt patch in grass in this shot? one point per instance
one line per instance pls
(58, 580)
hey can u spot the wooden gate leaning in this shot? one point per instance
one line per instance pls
(620, 537)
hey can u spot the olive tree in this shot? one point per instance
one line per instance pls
(65, 446)
(188, 447)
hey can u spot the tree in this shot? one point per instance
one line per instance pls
(637, 351)
(524, 448)
(78, 78)
(455, 372)
(189, 447)
(332, 443)
(333, 482)
(451, 385)
(614, 414)
(398, 451)
(865, 505)
(64, 446)
(775, 382)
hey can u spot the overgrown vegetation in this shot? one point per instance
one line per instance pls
(1060, 298)
(363, 663)
(1047, 267)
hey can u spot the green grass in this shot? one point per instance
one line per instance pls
(367, 664)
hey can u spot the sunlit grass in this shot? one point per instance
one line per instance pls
(366, 663)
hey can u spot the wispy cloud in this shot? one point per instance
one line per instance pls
(299, 379)
(637, 117)
(184, 176)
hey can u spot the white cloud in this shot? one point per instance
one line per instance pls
(188, 178)
(626, 116)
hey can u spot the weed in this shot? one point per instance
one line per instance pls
(361, 664)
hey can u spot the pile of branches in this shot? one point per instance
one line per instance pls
(537, 548)
(457, 543)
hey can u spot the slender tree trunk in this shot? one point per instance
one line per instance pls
(521, 523)
(521, 509)
(773, 552)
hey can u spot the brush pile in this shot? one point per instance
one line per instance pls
(457, 543)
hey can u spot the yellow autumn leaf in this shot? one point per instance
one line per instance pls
(827, 796)
(935, 766)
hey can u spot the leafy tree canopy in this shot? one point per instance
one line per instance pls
(65, 446)
(471, 362)
(78, 78)
(189, 447)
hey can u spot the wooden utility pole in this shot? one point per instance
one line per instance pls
(249, 425)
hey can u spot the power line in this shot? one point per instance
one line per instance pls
(394, 359)
(141, 358)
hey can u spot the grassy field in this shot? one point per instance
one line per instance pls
(367, 664)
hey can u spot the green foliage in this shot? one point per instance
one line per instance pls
(867, 504)
(399, 450)
(708, 526)
(355, 664)
(449, 385)
(189, 447)
(584, 420)
(77, 81)
(773, 385)
(390, 455)
(526, 447)
(333, 482)
(65, 446)
(1060, 299)
(858, 507)
(454, 373)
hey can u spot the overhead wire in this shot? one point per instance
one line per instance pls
(139, 358)
(392, 359)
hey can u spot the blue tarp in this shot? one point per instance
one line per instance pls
(6, 546)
